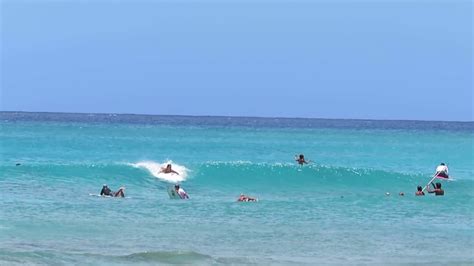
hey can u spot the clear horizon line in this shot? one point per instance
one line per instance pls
(234, 116)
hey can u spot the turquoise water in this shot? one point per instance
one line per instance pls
(332, 211)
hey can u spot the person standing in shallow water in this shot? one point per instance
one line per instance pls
(437, 189)
(300, 159)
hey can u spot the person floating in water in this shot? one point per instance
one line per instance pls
(245, 198)
(442, 171)
(419, 191)
(437, 189)
(106, 191)
(182, 194)
(168, 170)
(300, 159)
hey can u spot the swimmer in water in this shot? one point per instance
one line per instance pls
(300, 159)
(419, 191)
(245, 198)
(168, 170)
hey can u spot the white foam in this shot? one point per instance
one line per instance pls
(155, 169)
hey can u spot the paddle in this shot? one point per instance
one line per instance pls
(432, 179)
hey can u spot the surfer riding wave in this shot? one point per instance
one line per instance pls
(168, 171)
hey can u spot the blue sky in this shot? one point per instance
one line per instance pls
(328, 59)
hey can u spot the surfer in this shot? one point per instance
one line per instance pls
(106, 191)
(437, 189)
(182, 194)
(245, 198)
(300, 159)
(442, 171)
(120, 193)
(168, 170)
(419, 191)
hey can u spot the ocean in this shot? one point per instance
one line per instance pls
(333, 211)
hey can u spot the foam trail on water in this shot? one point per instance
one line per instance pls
(155, 169)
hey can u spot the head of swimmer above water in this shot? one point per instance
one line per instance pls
(419, 188)
(438, 185)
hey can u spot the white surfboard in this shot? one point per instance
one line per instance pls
(106, 196)
(100, 196)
